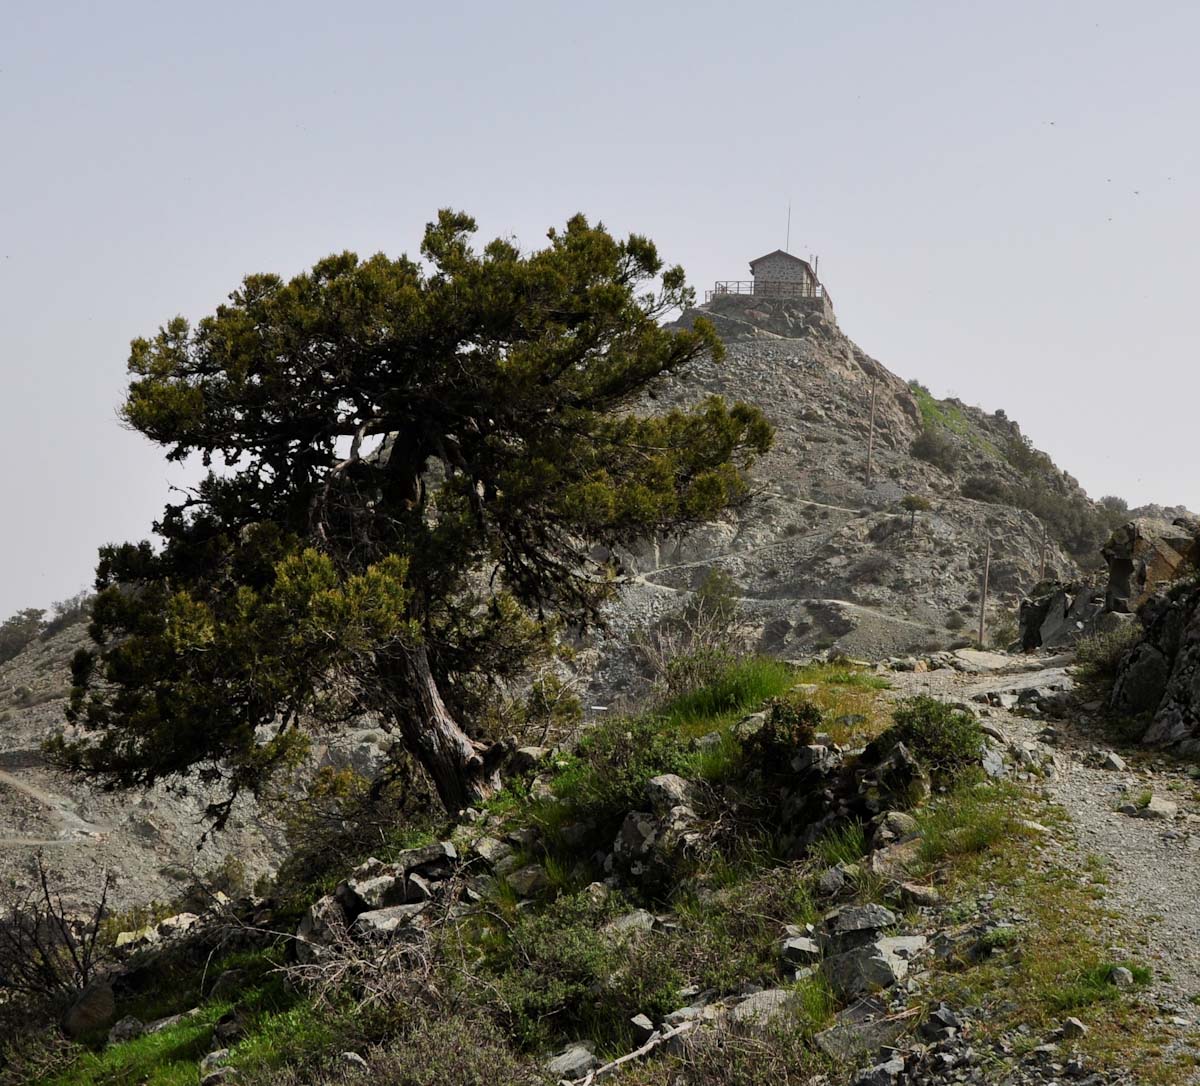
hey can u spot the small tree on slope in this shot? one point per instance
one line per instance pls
(417, 471)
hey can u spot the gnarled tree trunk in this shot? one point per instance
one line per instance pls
(461, 773)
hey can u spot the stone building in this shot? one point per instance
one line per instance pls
(779, 279)
(782, 274)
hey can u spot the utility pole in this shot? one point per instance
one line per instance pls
(987, 569)
(871, 434)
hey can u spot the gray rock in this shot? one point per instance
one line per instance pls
(1121, 977)
(354, 1060)
(573, 1063)
(763, 1009)
(126, 1029)
(831, 882)
(384, 922)
(669, 790)
(882, 1074)
(638, 920)
(856, 925)
(643, 1028)
(525, 759)
(319, 926)
(1158, 808)
(213, 1060)
(863, 970)
(94, 1008)
(800, 950)
(1112, 760)
(528, 881)
(850, 1041)
(492, 851)
(1072, 1028)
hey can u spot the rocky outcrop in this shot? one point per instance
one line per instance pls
(1160, 676)
(1145, 554)
(824, 557)
(1055, 615)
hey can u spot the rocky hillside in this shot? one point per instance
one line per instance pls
(152, 839)
(821, 557)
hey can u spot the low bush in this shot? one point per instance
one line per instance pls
(946, 741)
(936, 447)
(791, 722)
(1099, 656)
(557, 972)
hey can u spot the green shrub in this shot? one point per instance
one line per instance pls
(946, 741)
(791, 722)
(558, 973)
(1099, 656)
(19, 630)
(985, 488)
(607, 774)
(936, 447)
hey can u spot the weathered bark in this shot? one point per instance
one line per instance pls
(461, 773)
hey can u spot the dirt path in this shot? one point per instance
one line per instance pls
(62, 811)
(1152, 866)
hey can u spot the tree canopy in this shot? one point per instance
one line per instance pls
(418, 472)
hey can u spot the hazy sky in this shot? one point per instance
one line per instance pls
(1004, 197)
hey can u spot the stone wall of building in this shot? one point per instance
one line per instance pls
(780, 269)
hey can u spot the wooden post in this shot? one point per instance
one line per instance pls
(987, 569)
(871, 434)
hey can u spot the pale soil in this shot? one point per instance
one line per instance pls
(1152, 867)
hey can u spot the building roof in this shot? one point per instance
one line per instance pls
(780, 252)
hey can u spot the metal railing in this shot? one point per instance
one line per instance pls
(767, 288)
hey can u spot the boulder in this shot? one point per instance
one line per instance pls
(126, 1029)
(528, 881)
(856, 925)
(850, 1041)
(573, 1063)
(629, 923)
(94, 1008)
(1161, 674)
(763, 1009)
(177, 924)
(669, 790)
(861, 971)
(1143, 555)
(379, 923)
(320, 926)
(799, 950)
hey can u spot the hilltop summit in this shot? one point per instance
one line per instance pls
(826, 555)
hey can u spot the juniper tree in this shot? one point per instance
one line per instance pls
(417, 472)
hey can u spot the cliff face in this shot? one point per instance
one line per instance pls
(823, 557)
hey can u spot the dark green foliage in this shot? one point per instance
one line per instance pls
(946, 741)
(19, 630)
(606, 776)
(556, 972)
(936, 447)
(791, 722)
(986, 488)
(388, 433)
(69, 612)
(913, 504)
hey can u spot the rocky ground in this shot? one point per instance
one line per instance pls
(153, 841)
(820, 556)
(1134, 814)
